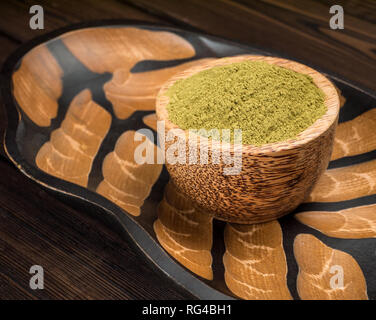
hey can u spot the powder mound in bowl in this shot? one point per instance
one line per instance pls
(269, 103)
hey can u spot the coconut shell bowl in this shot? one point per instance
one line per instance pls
(74, 101)
(275, 178)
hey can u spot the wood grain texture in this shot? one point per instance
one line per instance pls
(255, 262)
(58, 14)
(82, 257)
(355, 136)
(126, 182)
(124, 47)
(274, 179)
(71, 149)
(345, 183)
(37, 85)
(352, 223)
(358, 15)
(185, 232)
(316, 262)
(129, 92)
(299, 29)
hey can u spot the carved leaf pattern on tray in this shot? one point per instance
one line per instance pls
(129, 92)
(126, 182)
(255, 262)
(70, 152)
(37, 85)
(151, 121)
(346, 183)
(109, 49)
(185, 232)
(355, 136)
(351, 223)
(318, 264)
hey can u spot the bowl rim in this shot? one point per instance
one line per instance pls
(318, 128)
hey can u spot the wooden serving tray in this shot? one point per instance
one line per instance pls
(74, 99)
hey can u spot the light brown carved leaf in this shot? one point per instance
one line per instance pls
(37, 85)
(108, 49)
(151, 121)
(126, 182)
(355, 136)
(129, 92)
(185, 232)
(71, 149)
(319, 269)
(352, 223)
(346, 183)
(255, 262)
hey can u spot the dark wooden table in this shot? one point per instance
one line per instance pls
(82, 258)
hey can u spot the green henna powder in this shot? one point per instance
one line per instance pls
(269, 103)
